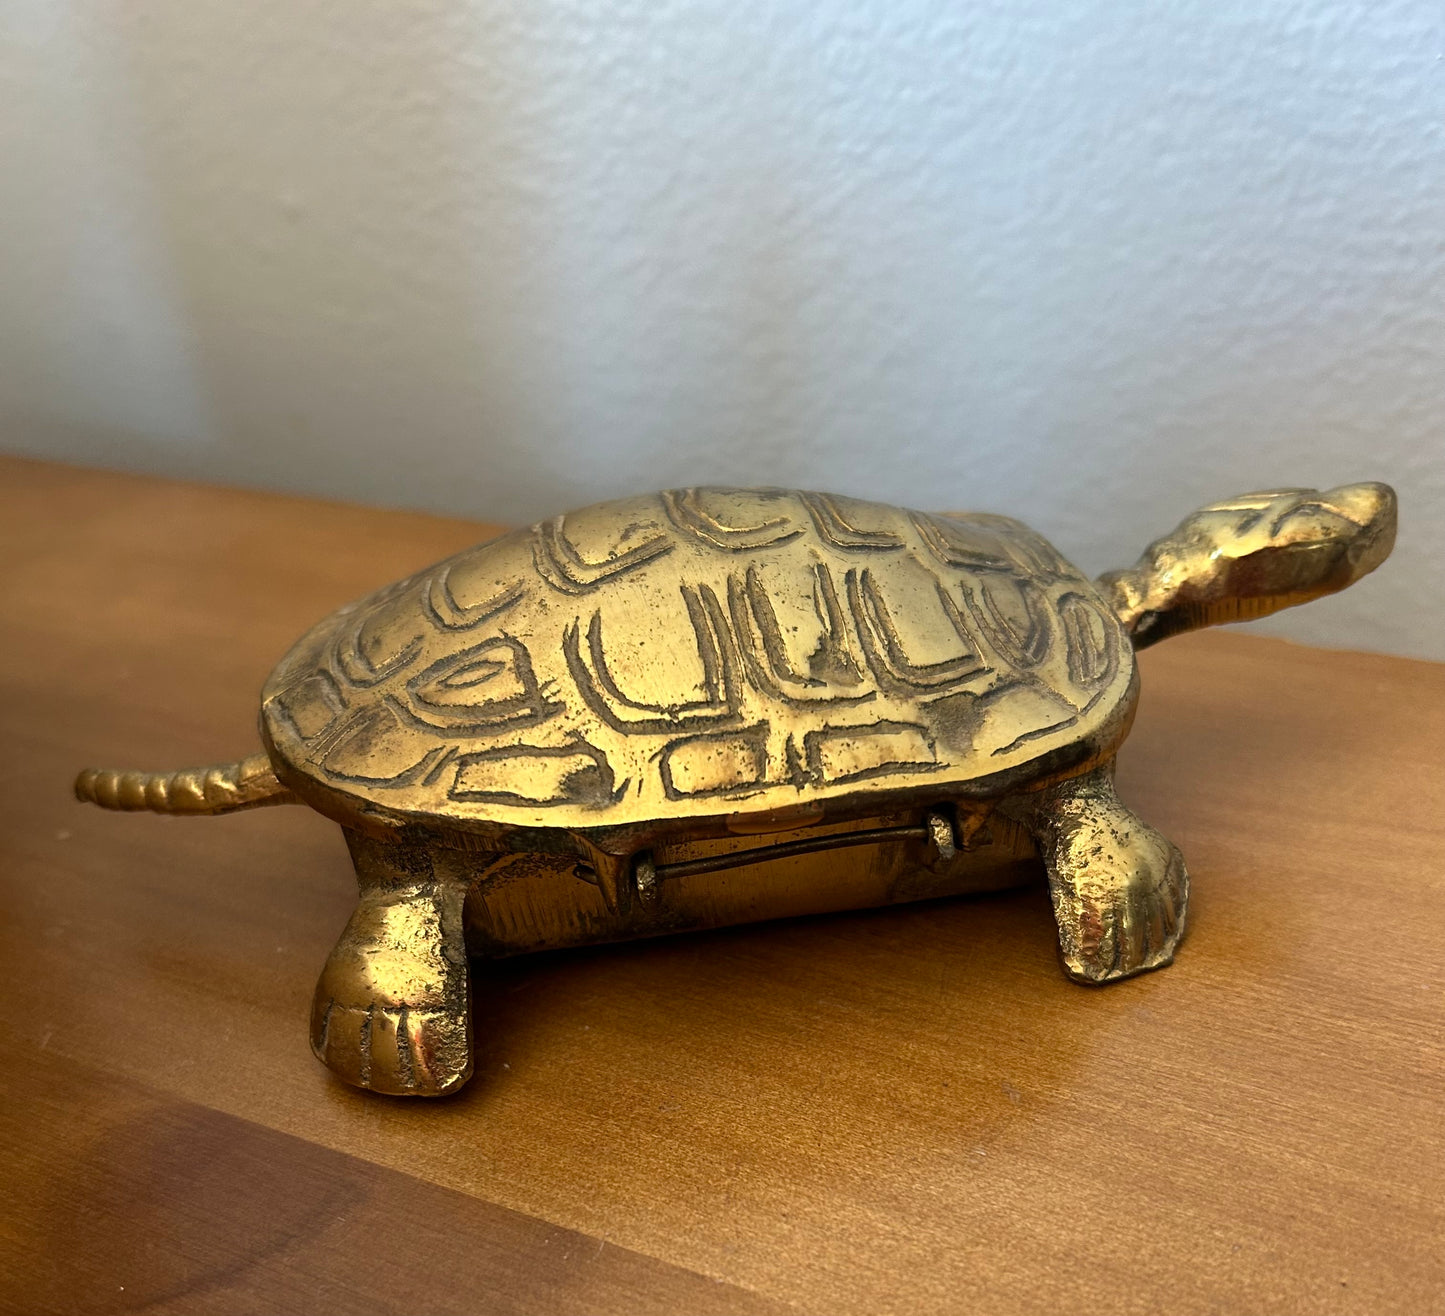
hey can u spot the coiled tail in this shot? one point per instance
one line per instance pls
(224, 788)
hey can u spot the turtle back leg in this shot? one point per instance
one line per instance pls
(392, 1011)
(1119, 888)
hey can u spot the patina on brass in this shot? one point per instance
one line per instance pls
(712, 706)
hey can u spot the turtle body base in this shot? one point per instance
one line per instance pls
(520, 903)
(392, 1009)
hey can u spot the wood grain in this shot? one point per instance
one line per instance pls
(907, 1110)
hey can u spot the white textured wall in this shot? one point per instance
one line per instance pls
(1093, 262)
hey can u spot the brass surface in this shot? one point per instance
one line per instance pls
(1252, 555)
(699, 654)
(224, 788)
(714, 706)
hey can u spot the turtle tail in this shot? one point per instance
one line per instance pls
(225, 788)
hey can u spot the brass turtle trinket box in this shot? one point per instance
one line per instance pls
(713, 706)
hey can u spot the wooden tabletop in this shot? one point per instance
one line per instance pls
(909, 1110)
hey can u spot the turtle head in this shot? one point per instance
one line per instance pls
(1249, 556)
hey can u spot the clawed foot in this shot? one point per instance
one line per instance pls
(391, 1011)
(1120, 890)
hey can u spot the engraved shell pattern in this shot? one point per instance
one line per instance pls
(702, 652)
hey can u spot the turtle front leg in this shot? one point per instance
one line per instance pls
(392, 1010)
(1119, 888)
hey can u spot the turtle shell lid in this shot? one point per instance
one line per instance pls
(701, 654)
